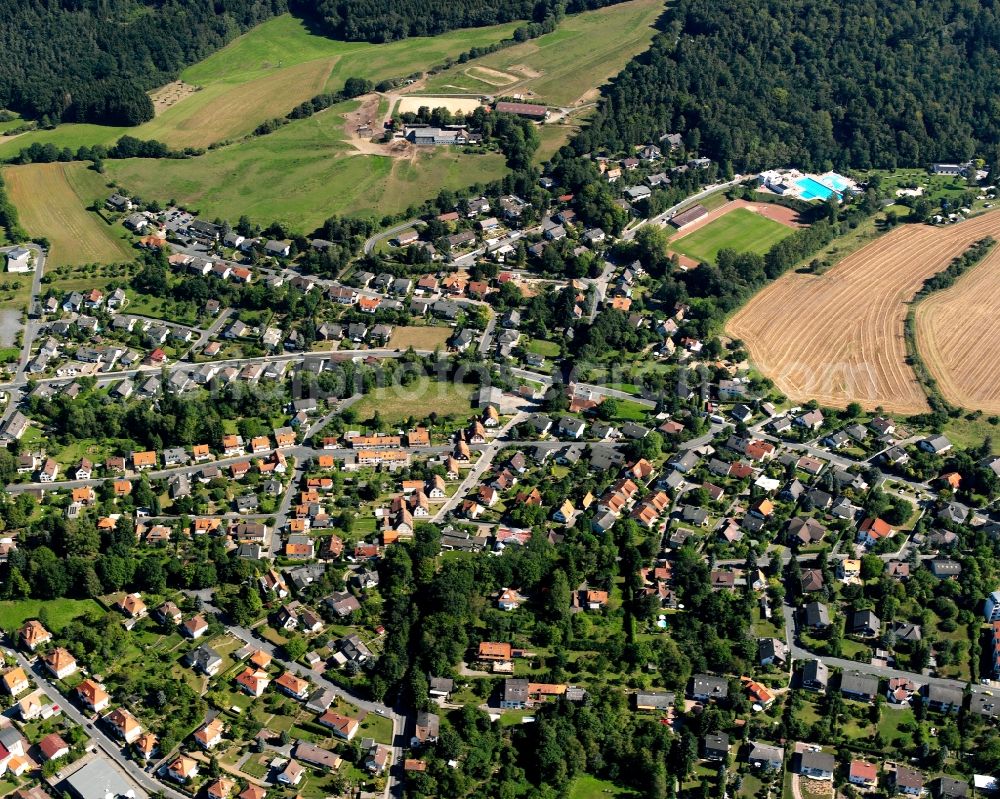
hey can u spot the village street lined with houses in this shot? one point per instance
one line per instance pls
(364, 512)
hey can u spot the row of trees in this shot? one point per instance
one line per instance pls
(9, 220)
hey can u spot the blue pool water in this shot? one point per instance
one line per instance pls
(813, 190)
(835, 181)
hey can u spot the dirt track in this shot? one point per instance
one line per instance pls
(838, 337)
(778, 213)
(786, 216)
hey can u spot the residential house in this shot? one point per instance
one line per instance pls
(209, 735)
(715, 746)
(765, 756)
(865, 623)
(908, 781)
(862, 687)
(124, 724)
(33, 635)
(706, 687)
(92, 695)
(815, 675)
(817, 765)
(60, 663)
(863, 774)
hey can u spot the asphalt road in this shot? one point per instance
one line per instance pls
(109, 747)
(31, 328)
(886, 672)
(484, 462)
(400, 721)
(661, 218)
(371, 243)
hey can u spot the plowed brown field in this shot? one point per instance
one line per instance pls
(838, 337)
(958, 338)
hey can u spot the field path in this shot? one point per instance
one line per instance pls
(838, 337)
(958, 338)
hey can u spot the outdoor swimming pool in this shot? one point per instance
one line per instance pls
(836, 182)
(812, 189)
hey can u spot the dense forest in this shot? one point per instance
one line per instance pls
(94, 60)
(814, 83)
(388, 20)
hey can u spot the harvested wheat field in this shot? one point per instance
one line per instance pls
(838, 337)
(958, 339)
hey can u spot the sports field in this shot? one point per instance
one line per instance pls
(957, 337)
(52, 200)
(265, 73)
(738, 229)
(838, 337)
(564, 67)
(302, 174)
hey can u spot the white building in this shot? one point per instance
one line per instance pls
(20, 259)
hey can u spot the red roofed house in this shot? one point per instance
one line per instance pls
(253, 681)
(60, 663)
(33, 634)
(157, 357)
(494, 652)
(210, 734)
(124, 724)
(53, 747)
(343, 726)
(873, 530)
(863, 773)
(195, 627)
(293, 686)
(92, 695)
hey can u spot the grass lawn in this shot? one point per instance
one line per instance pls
(751, 785)
(85, 447)
(52, 200)
(889, 725)
(310, 174)
(965, 432)
(768, 628)
(563, 67)
(629, 411)
(60, 612)
(552, 137)
(588, 787)
(851, 648)
(740, 230)
(377, 727)
(420, 338)
(264, 74)
(15, 292)
(397, 403)
(543, 347)
(184, 313)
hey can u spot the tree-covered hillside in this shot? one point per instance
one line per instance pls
(94, 60)
(815, 82)
(388, 20)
